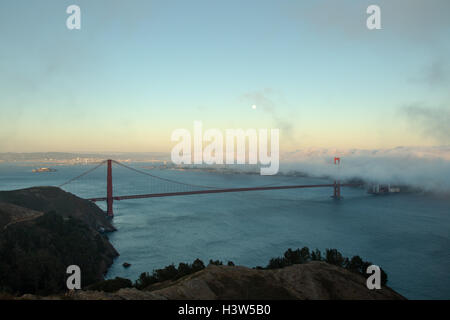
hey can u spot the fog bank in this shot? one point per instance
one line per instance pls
(427, 168)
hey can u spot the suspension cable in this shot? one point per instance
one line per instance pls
(148, 174)
(163, 179)
(83, 174)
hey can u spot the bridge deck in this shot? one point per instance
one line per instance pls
(185, 193)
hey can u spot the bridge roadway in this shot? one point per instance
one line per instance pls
(185, 193)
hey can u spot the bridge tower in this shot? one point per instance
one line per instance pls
(337, 184)
(109, 190)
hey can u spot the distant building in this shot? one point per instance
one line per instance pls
(44, 170)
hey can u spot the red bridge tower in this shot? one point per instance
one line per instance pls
(337, 184)
(109, 190)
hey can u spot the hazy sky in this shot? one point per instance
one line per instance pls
(137, 70)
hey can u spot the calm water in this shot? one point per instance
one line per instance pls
(407, 234)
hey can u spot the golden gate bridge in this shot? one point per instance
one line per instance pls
(194, 188)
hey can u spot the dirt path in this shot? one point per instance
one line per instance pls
(23, 220)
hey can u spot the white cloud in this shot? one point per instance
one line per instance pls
(423, 167)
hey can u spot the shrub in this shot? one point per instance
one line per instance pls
(316, 255)
(197, 265)
(216, 262)
(145, 280)
(277, 263)
(335, 257)
(169, 272)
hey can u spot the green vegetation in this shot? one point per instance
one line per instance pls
(332, 256)
(290, 257)
(173, 273)
(168, 273)
(216, 262)
(34, 255)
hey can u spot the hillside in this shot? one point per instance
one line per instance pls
(313, 280)
(46, 199)
(11, 214)
(43, 231)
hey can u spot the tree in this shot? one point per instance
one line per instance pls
(332, 256)
(316, 255)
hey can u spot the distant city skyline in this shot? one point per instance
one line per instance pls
(137, 70)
